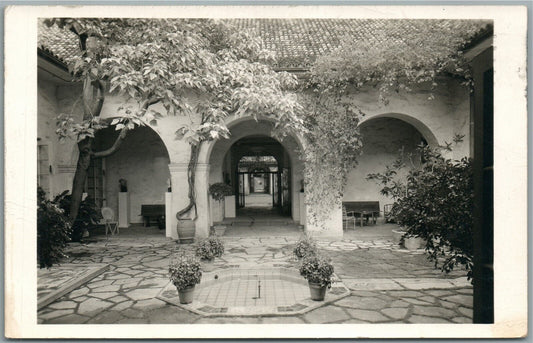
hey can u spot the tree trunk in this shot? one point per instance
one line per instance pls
(84, 160)
(191, 176)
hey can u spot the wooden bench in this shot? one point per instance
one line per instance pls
(156, 212)
(363, 209)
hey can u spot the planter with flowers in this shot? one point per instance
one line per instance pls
(207, 249)
(305, 246)
(318, 271)
(185, 274)
(219, 191)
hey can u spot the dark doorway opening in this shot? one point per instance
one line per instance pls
(262, 173)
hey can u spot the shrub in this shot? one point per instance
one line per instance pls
(435, 202)
(53, 231)
(306, 245)
(184, 271)
(317, 269)
(209, 248)
(88, 214)
(219, 190)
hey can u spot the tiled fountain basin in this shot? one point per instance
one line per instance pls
(235, 292)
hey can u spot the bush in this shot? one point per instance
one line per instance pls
(435, 202)
(184, 271)
(219, 190)
(53, 231)
(209, 248)
(317, 269)
(88, 215)
(306, 245)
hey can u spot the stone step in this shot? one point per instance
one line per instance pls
(258, 222)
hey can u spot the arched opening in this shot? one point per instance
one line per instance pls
(257, 175)
(383, 139)
(142, 160)
(264, 172)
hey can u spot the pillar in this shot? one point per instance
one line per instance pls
(328, 228)
(180, 192)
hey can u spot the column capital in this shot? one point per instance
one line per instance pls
(182, 167)
(66, 168)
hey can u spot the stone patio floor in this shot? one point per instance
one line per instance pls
(388, 284)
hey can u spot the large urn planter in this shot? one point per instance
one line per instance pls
(186, 231)
(186, 295)
(317, 291)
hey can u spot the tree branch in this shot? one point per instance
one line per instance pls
(104, 153)
(114, 147)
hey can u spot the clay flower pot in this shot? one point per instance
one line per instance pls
(186, 295)
(208, 265)
(318, 292)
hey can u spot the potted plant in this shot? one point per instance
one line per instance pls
(185, 273)
(305, 246)
(318, 271)
(218, 192)
(207, 249)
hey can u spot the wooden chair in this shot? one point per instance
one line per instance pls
(111, 225)
(347, 218)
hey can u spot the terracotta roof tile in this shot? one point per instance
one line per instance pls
(296, 42)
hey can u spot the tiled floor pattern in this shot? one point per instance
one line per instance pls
(138, 270)
(252, 288)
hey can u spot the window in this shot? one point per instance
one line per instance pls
(43, 168)
(95, 181)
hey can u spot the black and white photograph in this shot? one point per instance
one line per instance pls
(278, 171)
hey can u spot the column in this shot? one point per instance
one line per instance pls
(168, 214)
(328, 228)
(202, 200)
(179, 198)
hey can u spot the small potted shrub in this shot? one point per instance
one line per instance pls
(207, 249)
(185, 273)
(318, 271)
(219, 191)
(306, 245)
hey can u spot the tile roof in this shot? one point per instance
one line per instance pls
(296, 42)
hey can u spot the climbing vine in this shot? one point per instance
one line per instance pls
(400, 55)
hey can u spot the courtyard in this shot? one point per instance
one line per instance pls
(387, 283)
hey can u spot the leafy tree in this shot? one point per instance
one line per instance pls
(171, 62)
(433, 199)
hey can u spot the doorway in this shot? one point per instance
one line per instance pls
(262, 172)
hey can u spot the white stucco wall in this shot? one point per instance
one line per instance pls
(382, 140)
(448, 113)
(55, 98)
(143, 161)
(142, 164)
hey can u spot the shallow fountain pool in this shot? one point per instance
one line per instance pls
(252, 291)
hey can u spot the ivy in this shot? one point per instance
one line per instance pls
(393, 61)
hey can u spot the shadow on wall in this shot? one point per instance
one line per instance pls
(383, 138)
(142, 160)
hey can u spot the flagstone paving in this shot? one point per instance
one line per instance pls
(388, 284)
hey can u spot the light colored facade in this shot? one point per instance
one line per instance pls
(151, 158)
